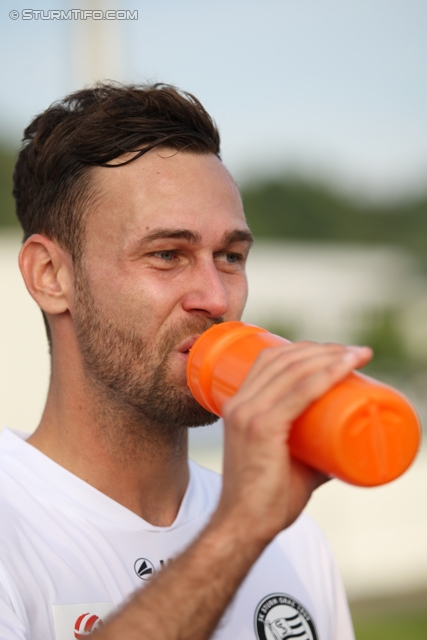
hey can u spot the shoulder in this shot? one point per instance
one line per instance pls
(305, 525)
(305, 535)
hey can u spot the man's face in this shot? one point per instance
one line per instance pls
(164, 259)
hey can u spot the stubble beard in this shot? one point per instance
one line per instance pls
(133, 374)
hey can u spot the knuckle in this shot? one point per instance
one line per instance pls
(266, 355)
(235, 413)
(256, 426)
(304, 389)
(337, 368)
(242, 419)
(295, 369)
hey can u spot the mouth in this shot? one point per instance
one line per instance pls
(184, 347)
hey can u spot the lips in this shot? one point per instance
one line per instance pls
(187, 344)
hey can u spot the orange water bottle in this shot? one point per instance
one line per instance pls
(361, 431)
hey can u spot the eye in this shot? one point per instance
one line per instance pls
(232, 258)
(167, 256)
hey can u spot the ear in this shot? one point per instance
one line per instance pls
(47, 272)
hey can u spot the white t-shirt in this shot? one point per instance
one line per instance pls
(69, 556)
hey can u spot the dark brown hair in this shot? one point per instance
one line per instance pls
(92, 127)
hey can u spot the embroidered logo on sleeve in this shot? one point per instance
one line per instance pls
(86, 624)
(280, 617)
(79, 621)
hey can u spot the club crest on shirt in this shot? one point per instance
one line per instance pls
(280, 617)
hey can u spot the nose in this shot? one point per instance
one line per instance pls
(206, 294)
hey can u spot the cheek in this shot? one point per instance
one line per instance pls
(237, 292)
(140, 301)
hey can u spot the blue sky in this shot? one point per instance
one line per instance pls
(336, 88)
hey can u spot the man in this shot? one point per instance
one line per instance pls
(135, 242)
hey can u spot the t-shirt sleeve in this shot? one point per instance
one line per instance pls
(342, 626)
(315, 564)
(340, 623)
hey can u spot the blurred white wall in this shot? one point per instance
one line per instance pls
(326, 291)
(378, 535)
(24, 361)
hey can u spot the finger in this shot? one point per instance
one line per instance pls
(287, 407)
(271, 362)
(280, 377)
(271, 359)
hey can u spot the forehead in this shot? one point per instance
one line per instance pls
(164, 188)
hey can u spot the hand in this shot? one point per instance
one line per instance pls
(265, 489)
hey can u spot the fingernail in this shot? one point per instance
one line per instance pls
(351, 356)
(353, 352)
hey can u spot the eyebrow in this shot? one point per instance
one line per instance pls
(175, 234)
(238, 235)
(230, 237)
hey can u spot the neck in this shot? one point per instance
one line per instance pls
(109, 445)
